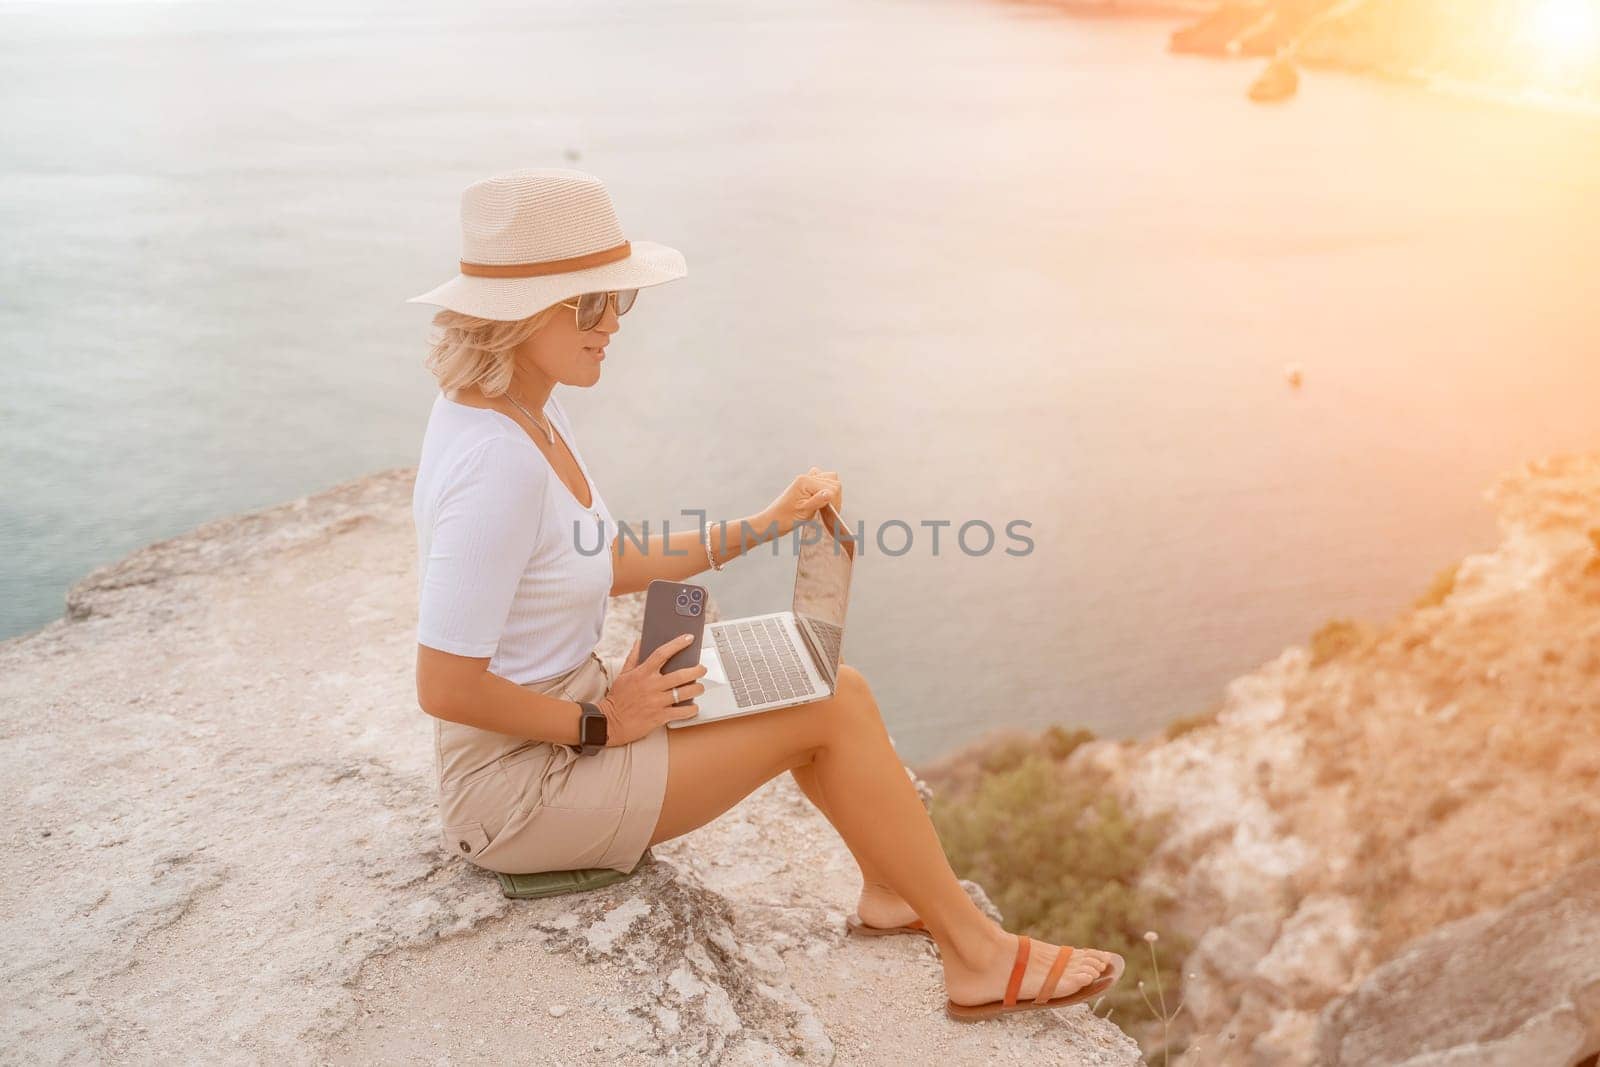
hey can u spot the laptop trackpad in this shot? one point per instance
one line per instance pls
(712, 662)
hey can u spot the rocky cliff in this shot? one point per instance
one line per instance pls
(1389, 779)
(221, 847)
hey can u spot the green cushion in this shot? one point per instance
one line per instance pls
(554, 883)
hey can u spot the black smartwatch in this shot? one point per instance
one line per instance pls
(591, 729)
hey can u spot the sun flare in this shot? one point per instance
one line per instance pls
(1565, 31)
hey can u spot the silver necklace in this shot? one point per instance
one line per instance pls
(549, 431)
(551, 434)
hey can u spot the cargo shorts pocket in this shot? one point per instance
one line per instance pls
(573, 838)
(465, 839)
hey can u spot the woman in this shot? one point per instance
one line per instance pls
(511, 606)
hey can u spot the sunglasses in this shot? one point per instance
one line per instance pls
(591, 307)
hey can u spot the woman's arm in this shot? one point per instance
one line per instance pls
(636, 561)
(461, 689)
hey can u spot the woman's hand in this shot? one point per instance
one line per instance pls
(641, 697)
(800, 502)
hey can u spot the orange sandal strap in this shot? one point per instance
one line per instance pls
(1054, 976)
(1016, 970)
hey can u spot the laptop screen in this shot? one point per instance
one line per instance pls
(822, 587)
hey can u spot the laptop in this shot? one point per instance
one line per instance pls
(764, 662)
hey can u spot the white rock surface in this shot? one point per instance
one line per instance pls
(221, 847)
(1514, 987)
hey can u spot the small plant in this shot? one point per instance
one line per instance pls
(1443, 584)
(1059, 742)
(1187, 723)
(1441, 807)
(1150, 939)
(1334, 639)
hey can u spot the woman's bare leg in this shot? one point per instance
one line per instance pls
(878, 905)
(875, 808)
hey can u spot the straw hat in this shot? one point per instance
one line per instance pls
(537, 236)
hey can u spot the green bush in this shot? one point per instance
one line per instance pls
(1056, 743)
(1060, 742)
(1062, 859)
(1006, 754)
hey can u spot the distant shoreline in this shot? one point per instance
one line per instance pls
(1528, 97)
(1117, 9)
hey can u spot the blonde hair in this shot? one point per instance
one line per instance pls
(471, 351)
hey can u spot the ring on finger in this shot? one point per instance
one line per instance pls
(674, 694)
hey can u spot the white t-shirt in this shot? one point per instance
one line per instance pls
(510, 564)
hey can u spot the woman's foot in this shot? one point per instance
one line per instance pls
(984, 980)
(882, 907)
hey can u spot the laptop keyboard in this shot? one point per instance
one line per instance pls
(828, 636)
(760, 663)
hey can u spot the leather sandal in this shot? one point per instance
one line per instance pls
(973, 1012)
(861, 929)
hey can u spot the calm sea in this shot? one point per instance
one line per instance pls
(988, 261)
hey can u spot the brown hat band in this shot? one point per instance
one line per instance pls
(549, 266)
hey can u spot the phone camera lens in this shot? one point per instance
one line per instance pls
(683, 600)
(696, 595)
(695, 610)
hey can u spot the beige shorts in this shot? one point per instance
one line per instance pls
(521, 807)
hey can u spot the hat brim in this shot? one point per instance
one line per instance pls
(510, 299)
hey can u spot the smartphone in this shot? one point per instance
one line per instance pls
(670, 609)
